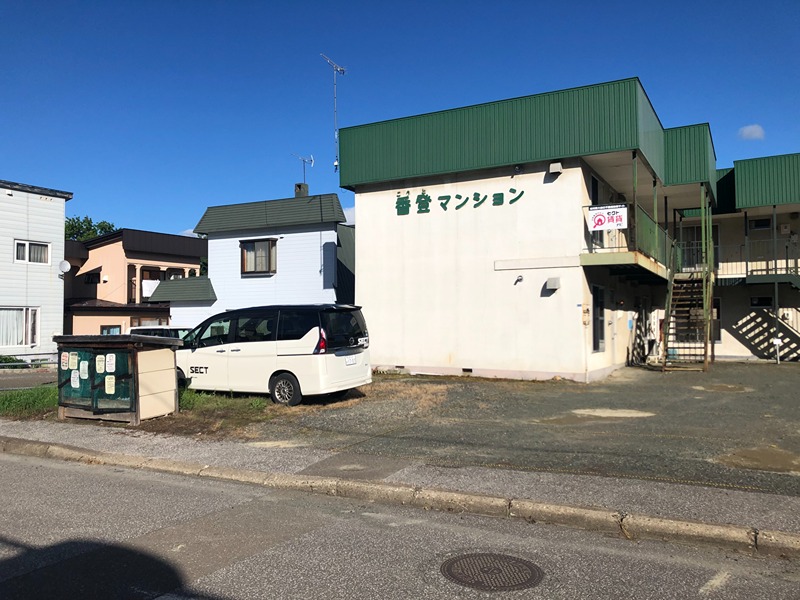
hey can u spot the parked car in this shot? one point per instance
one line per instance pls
(160, 330)
(288, 351)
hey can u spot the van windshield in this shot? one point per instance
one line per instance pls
(345, 328)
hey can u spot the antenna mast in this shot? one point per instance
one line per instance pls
(337, 70)
(307, 160)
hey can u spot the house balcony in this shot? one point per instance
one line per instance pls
(641, 251)
(143, 280)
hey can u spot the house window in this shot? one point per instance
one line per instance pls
(19, 326)
(32, 252)
(110, 329)
(91, 278)
(259, 257)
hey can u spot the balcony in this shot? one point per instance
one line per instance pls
(762, 261)
(641, 250)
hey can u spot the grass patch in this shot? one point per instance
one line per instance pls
(34, 402)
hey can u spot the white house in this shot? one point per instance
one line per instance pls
(31, 257)
(269, 252)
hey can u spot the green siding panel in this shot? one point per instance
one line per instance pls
(307, 210)
(576, 122)
(651, 133)
(767, 181)
(690, 156)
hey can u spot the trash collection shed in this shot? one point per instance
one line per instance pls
(124, 378)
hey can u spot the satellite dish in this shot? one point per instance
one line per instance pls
(64, 266)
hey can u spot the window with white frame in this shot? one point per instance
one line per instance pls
(32, 252)
(259, 257)
(19, 326)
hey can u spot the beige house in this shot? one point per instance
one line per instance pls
(114, 275)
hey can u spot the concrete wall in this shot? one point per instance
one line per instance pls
(465, 289)
(33, 218)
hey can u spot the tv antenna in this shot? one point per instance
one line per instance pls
(307, 160)
(337, 70)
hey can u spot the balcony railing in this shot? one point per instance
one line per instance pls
(749, 258)
(642, 235)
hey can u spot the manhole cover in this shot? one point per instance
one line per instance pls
(492, 572)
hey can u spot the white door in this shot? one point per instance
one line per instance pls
(252, 354)
(207, 363)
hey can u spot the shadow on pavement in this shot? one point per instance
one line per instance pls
(89, 570)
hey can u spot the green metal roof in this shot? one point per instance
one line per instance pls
(307, 210)
(595, 119)
(690, 156)
(767, 181)
(190, 289)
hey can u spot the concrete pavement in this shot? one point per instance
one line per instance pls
(748, 521)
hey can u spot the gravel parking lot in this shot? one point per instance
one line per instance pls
(735, 427)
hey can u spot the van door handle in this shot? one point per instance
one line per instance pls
(218, 351)
(236, 350)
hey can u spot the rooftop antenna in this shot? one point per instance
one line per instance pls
(307, 160)
(337, 70)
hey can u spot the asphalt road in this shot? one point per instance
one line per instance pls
(76, 531)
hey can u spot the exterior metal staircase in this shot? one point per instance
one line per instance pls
(686, 328)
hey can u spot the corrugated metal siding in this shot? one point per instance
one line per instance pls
(272, 213)
(689, 156)
(767, 181)
(651, 133)
(576, 122)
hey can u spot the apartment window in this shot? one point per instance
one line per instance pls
(19, 326)
(755, 224)
(91, 278)
(760, 301)
(259, 257)
(110, 330)
(32, 252)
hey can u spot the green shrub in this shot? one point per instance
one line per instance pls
(6, 359)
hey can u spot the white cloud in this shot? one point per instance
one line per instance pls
(752, 132)
(350, 215)
(188, 233)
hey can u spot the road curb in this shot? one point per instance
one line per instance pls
(631, 526)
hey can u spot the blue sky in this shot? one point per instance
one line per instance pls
(151, 110)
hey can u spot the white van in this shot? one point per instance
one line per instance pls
(170, 331)
(286, 351)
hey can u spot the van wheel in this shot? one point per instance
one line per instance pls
(182, 383)
(285, 389)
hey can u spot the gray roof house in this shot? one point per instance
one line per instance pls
(283, 251)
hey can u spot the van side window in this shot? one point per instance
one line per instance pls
(215, 333)
(256, 328)
(294, 324)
